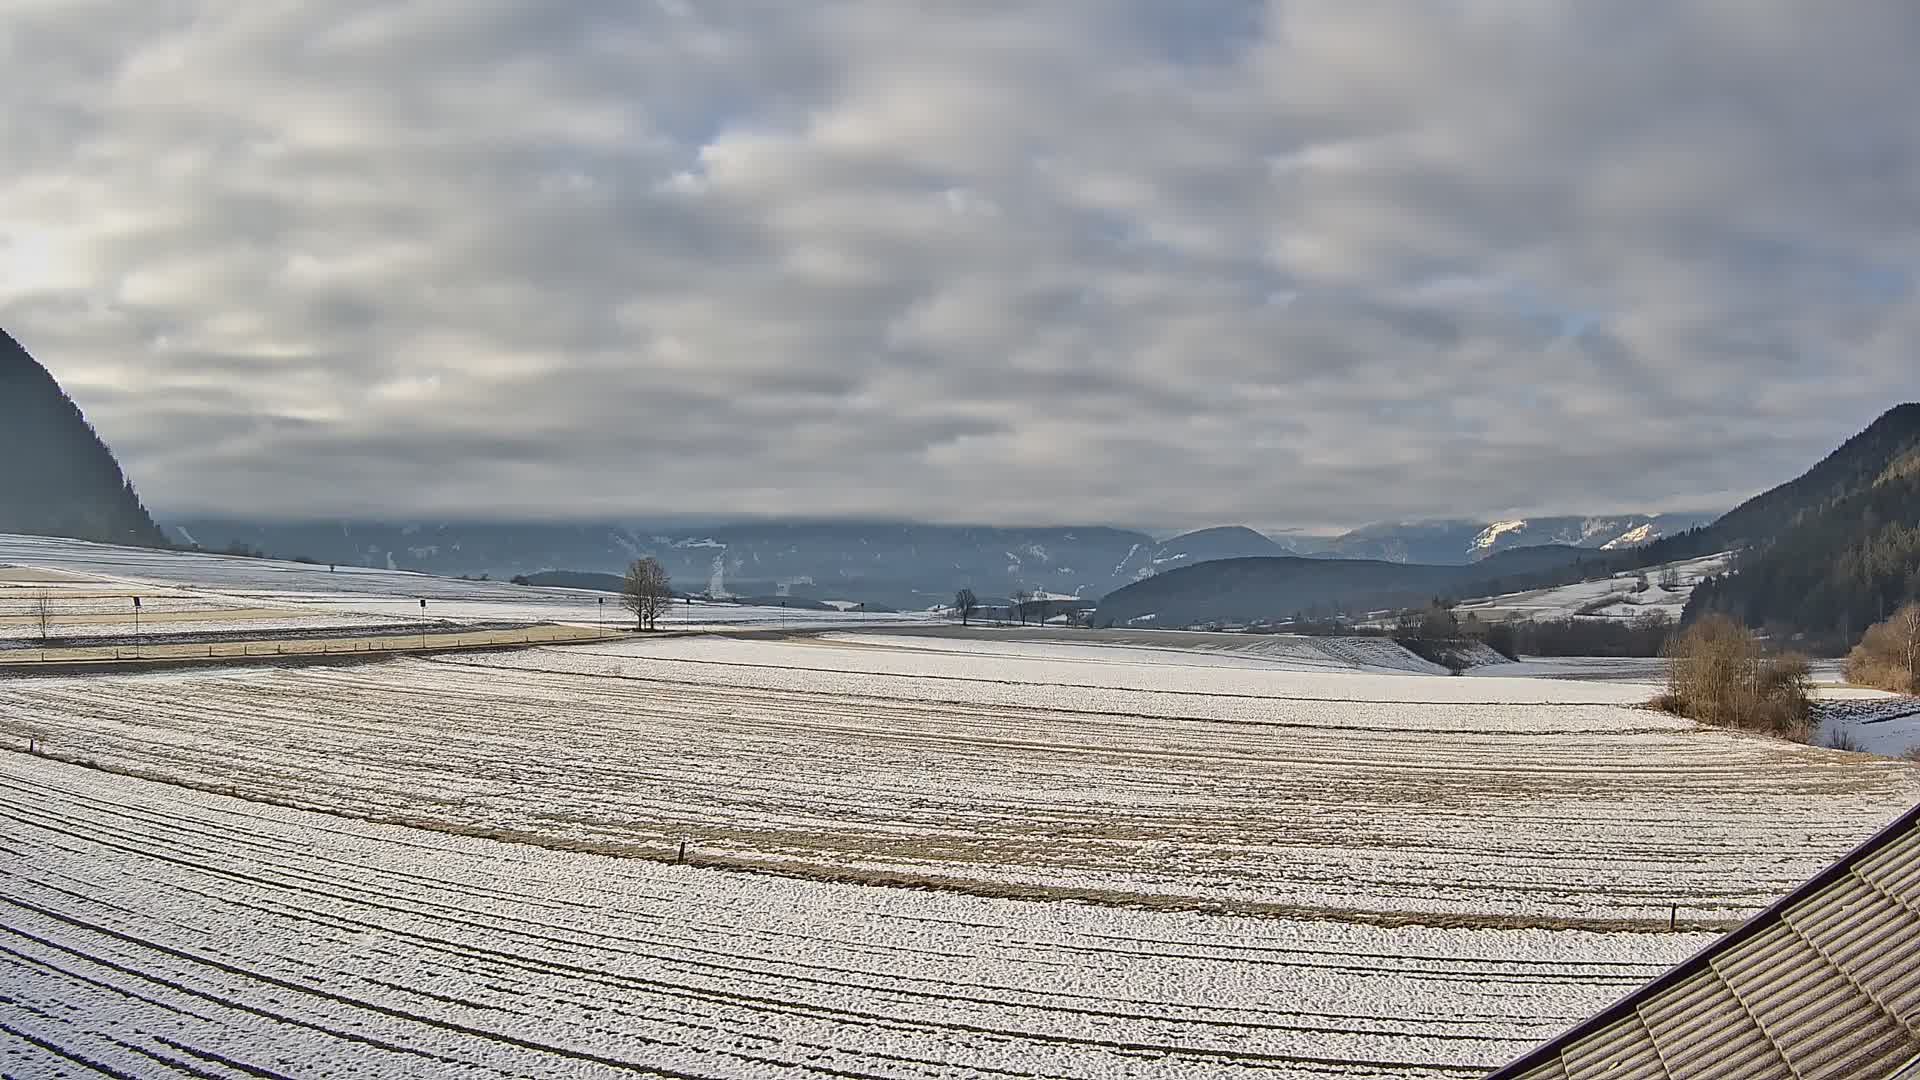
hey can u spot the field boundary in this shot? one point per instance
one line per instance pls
(298, 652)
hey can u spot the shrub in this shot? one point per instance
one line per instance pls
(1888, 657)
(1718, 674)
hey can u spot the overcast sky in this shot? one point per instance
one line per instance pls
(1155, 263)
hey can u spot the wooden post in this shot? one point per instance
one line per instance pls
(681, 861)
(1673, 916)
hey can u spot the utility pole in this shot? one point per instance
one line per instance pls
(423, 622)
(603, 616)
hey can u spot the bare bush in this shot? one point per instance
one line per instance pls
(1843, 740)
(1717, 673)
(1888, 657)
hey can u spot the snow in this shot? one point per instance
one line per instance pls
(353, 591)
(1572, 601)
(1143, 853)
(1490, 536)
(1634, 537)
(147, 923)
(1215, 781)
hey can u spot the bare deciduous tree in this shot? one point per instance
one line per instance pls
(43, 613)
(965, 604)
(1020, 598)
(1717, 673)
(646, 591)
(1888, 656)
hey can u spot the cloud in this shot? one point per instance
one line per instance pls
(1301, 263)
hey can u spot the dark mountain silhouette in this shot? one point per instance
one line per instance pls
(1829, 553)
(1887, 449)
(56, 477)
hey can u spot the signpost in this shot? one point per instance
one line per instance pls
(136, 628)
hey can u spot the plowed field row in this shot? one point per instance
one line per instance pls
(147, 930)
(1442, 813)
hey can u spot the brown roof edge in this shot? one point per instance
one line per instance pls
(1541, 1054)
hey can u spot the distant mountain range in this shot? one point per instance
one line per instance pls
(56, 477)
(1450, 542)
(901, 565)
(1820, 557)
(894, 564)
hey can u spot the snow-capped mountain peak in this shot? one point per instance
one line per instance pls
(1489, 537)
(1634, 537)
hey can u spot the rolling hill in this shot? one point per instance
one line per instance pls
(1277, 587)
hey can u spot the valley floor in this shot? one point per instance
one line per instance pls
(910, 854)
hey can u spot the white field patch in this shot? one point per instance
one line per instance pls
(75, 609)
(149, 930)
(27, 635)
(1257, 652)
(357, 591)
(1588, 598)
(1478, 802)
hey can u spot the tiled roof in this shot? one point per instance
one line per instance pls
(1823, 985)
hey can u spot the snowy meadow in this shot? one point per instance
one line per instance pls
(908, 852)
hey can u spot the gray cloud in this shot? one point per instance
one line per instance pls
(1303, 262)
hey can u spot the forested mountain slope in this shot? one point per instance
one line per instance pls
(1834, 551)
(56, 477)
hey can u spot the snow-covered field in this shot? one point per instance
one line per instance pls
(916, 852)
(1244, 788)
(1263, 652)
(31, 565)
(1588, 597)
(147, 930)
